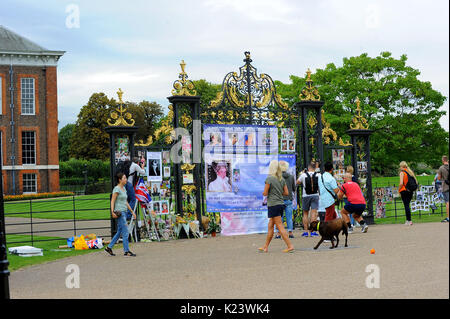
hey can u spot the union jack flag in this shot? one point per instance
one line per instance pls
(142, 194)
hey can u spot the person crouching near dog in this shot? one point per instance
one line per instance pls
(356, 203)
(275, 189)
(119, 207)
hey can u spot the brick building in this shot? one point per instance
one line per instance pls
(28, 115)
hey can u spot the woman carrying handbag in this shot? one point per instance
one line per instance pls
(119, 208)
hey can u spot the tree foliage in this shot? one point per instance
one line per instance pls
(147, 116)
(89, 138)
(402, 110)
(206, 90)
(64, 136)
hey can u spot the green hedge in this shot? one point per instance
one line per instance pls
(73, 169)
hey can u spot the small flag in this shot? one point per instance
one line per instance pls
(142, 194)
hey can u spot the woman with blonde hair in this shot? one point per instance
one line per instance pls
(405, 174)
(275, 189)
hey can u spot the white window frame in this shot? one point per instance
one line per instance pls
(33, 94)
(23, 183)
(34, 163)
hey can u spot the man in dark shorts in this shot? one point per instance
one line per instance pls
(356, 203)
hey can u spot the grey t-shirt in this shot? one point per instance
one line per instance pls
(443, 170)
(120, 204)
(275, 196)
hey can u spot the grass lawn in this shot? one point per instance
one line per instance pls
(393, 180)
(50, 247)
(85, 207)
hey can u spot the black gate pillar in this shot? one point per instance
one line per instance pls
(186, 110)
(310, 107)
(4, 272)
(121, 132)
(360, 139)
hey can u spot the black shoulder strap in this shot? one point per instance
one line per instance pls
(334, 195)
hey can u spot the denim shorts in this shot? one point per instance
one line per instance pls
(274, 211)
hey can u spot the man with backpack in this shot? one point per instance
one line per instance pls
(443, 175)
(310, 198)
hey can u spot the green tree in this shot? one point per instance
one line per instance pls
(89, 139)
(64, 136)
(402, 110)
(147, 116)
(207, 91)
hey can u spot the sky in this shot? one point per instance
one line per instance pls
(138, 45)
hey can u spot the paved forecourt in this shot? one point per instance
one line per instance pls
(412, 261)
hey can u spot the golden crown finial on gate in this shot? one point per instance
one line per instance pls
(309, 92)
(358, 121)
(120, 116)
(183, 86)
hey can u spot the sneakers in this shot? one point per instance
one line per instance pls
(277, 236)
(408, 223)
(109, 251)
(129, 253)
(364, 228)
(327, 241)
(350, 230)
(445, 220)
(305, 234)
(291, 236)
(314, 234)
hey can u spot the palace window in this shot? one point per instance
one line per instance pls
(28, 147)
(27, 96)
(29, 183)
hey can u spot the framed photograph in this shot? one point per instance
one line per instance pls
(154, 167)
(236, 175)
(338, 158)
(288, 133)
(291, 146)
(188, 178)
(362, 167)
(155, 189)
(186, 148)
(218, 176)
(413, 207)
(122, 151)
(164, 207)
(419, 196)
(166, 171)
(156, 207)
(284, 145)
(166, 157)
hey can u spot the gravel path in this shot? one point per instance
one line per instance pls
(413, 263)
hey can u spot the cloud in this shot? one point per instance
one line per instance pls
(139, 47)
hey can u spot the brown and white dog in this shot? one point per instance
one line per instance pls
(330, 229)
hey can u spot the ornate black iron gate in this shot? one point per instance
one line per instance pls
(245, 98)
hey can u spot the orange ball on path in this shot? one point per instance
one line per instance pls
(372, 251)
